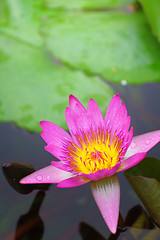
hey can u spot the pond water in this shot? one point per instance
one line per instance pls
(71, 214)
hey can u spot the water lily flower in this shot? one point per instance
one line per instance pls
(94, 151)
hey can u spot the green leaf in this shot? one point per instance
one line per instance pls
(145, 180)
(118, 46)
(21, 19)
(149, 167)
(152, 11)
(34, 88)
(91, 4)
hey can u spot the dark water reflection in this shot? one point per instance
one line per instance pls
(136, 219)
(71, 214)
(30, 225)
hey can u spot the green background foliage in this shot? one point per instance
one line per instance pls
(50, 49)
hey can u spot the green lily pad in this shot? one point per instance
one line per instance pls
(21, 20)
(145, 180)
(116, 45)
(34, 88)
(152, 11)
(84, 4)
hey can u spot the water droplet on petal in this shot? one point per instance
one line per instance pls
(148, 141)
(153, 138)
(133, 145)
(28, 181)
(48, 177)
(143, 149)
(39, 178)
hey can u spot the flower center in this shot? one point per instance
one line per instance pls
(94, 152)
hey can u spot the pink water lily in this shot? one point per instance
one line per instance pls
(94, 152)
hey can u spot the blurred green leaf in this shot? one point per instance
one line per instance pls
(35, 85)
(116, 45)
(34, 88)
(152, 11)
(91, 4)
(145, 180)
(21, 20)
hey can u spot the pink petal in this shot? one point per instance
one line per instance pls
(70, 119)
(48, 174)
(102, 173)
(116, 116)
(55, 137)
(95, 115)
(54, 134)
(121, 120)
(117, 121)
(59, 165)
(78, 122)
(75, 104)
(73, 182)
(77, 118)
(112, 109)
(106, 193)
(131, 161)
(143, 143)
(56, 151)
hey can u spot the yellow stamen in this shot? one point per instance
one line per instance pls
(95, 152)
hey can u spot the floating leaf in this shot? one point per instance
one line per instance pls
(34, 88)
(145, 180)
(116, 45)
(152, 11)
(21, 20)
